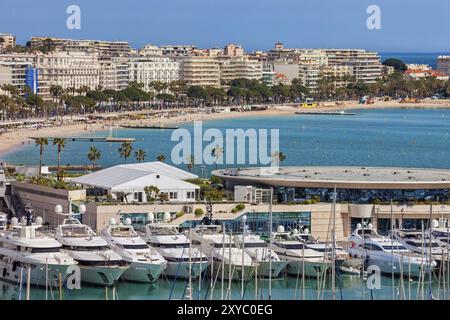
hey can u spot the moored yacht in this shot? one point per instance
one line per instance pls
(388, 254)
(175, 247)
(98, 263)
(300, 259)
(421, 243)
(340, 256)
(23, 247)
(226, 260)
(146, 264)
(269, 263)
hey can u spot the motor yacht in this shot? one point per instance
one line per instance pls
(421, 243)
(145, 263)
(301, 260)
(269, 263)
(388, 254)
(226, 260)
(24, 247)
(175, 247)
(340, 256)
(98, 263)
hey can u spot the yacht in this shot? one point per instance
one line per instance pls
(421, 243)
(223, 253)
(146, 264)
(98, 263)
(175, 247)
(388, 254)
(340, 256)
(301, 260)
(269, 263)
(23, 247)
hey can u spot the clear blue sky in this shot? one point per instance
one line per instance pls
(407, 25)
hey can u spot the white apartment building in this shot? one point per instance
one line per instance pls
(114, 73)
(178, 50)
(149, 69)
(14, 73)
(101, 47)
(236, 68)
(233, 50)
(68, 70)
(365, 65)
(268, 73)
(151, 50)
(200, 71)
(7, 40)
(443, 64)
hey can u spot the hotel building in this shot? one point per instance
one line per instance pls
(145, 70)
(235, 68)
(443, 64)
(7, 41)
(200, 71)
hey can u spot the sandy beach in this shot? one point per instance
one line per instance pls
(13, 139)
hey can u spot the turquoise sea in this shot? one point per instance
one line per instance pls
(390, 137)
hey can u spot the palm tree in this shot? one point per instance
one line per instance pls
(140, 155)
(278, 156)
(94, 155)
(190, 162)
(161, 157)
(125, 150)
(217, 152)
(41, 142)
(61, 143)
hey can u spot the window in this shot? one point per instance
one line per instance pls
(135, 246)
(44, 250)
(173, 195)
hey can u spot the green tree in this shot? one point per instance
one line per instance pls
(41, 143)
(94, 155)
(140, 155)
(61, 144)
(161, 157)
(152, 193)
(398, 65)
(125, 150)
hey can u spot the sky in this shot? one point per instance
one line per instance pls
(406, 25)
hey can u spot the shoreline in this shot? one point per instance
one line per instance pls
(12, 140)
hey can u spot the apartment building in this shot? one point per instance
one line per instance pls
(114, 73)
(233, 50)
(235, 68)
(145, 70)
(178, 50)
(151, 50)
(19, 70)
(443, 64)
(200, 70)
(102, 48)
(7, 40)
(68, 70)
(365, 65)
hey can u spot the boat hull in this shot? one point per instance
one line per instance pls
(143, 272)
(307, 268)
(274, 269)
(101, 275)
(180, 270)
(236, 273)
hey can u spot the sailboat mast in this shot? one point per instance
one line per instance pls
(333, 234)
(270, 243)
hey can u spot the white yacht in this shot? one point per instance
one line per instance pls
(98, 263)
(222, 252)
(269, 263)
(421, 243)
(340, 257)
(388, 254)
(146, 264)
(300, 259)
(175, 247)
(23, 247)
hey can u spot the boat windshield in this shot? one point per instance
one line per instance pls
(135, 246)
(123, 232)
(395, 248)
(221, 245)
(44, 250)
(171, 245)
(424, 245)
(255, 245)
(293, 246)
(88, 248)
(76, 231)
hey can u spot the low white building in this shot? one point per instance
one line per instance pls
(251, 194)
(127, 182)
